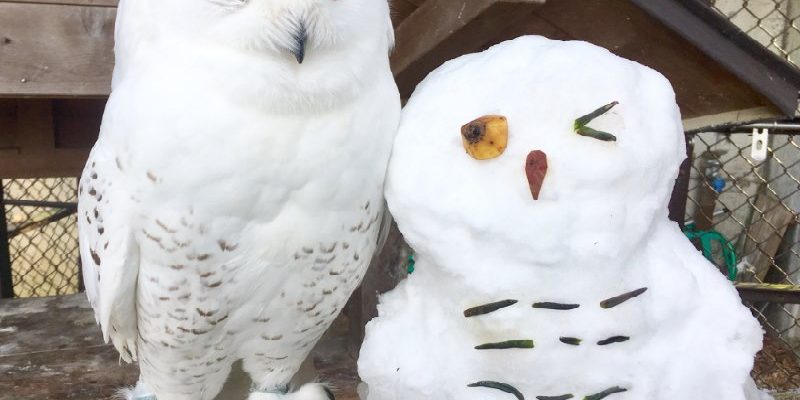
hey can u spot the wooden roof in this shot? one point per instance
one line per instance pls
(704, 86)
(56, 58)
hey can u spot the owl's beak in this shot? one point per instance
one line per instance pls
(299, 46)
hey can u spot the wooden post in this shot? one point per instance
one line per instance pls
(6, 283)
(680, 193)
(706, 199)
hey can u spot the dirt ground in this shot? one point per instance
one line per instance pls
(777, 369)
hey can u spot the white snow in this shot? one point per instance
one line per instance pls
(598, 230)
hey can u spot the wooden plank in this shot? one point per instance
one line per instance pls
(443, 29)
(34, 153)
(76, 122)
(8, 124)
(708, 122)
(55, 50)
(58, 340)
(35, 131)
(401, 9)
(707, 204)
(93, 3)
(533, 24)
(61, 162)
(758, 292)
(769, 223)
(52, 349)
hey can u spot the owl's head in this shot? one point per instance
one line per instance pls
(293, 30)
(599, 198)
(272, 54)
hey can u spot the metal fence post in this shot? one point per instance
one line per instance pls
(6, 283)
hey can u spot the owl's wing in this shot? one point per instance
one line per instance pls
(109, 253)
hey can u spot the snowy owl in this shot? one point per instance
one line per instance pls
(233, 199)
(546, 266)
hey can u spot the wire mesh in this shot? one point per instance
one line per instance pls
(773, 23)
(43, 237)
(752, 205)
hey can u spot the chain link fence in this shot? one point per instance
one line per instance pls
(745, 209)
(42, 236)
(773, 23)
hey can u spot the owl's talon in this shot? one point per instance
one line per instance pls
(139, 392)
(278, 392)
(309, 391)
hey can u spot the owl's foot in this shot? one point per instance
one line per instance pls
(140, 392)
(309, 391)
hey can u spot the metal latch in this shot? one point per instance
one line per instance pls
(758, 151)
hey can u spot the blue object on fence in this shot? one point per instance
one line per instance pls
(718, 184)
(706, 238)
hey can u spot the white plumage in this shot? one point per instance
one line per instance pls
(233, 200)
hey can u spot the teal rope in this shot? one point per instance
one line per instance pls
(706, 239)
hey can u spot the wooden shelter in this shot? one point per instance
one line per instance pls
(56, 58)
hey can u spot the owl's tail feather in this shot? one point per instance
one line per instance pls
(139, 392)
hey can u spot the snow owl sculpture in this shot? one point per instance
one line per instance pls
(536, 200)
(233, 200)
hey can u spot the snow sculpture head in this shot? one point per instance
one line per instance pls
(598, 198)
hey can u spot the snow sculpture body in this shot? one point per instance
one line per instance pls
(234, 198)
(588, 292)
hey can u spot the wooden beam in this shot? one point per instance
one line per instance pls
(443, 29)
(49, 50)
(758, 292)
(57, 163)
(717, 37)
(708, 122)
(6, 277)
(35, 126)
(93, 3)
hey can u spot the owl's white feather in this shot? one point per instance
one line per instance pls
(233, 200)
